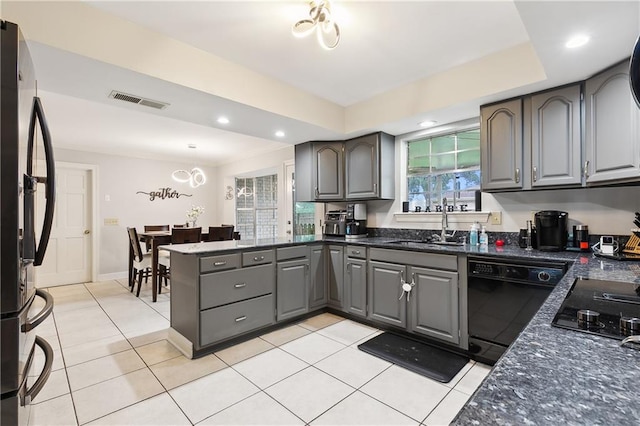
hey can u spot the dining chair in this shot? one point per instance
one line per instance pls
(180, 225)
(154, 228)
(186, 235)
(142, 262)
(220, 233)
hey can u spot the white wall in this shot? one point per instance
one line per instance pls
(608, 210)
(119, 178)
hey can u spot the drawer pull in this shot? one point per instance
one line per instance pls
(220, 263)
(258, 258)
(240, 285)
(242, 318)
(355, 251)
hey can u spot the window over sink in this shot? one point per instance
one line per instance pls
(444, 165)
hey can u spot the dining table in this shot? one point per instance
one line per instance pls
(156, 239)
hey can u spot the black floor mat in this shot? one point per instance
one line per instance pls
(421, 358)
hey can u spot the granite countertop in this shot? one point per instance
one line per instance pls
(548, 375)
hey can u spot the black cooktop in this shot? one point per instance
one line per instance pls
(606, 308)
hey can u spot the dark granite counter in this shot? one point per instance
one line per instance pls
(549, 375)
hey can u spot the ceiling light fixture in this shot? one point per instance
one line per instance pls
(223, 120)
(427, 123)
(195, 177)
(327, 29)
(577, 41)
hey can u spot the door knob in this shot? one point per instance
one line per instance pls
(87, 232)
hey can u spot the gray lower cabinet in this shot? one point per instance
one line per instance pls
(612, 124)
(222, 296)
(318, 282)
(434, 304)
(355, 286)
(292, 288)
(385, 288)
(335, 276)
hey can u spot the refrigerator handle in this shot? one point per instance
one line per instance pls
(33, 391)
(49, 181)
(43, 314)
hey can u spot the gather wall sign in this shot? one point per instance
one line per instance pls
(163, 194)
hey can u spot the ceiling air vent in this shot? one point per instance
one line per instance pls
(127, 97)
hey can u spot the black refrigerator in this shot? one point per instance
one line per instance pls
(24, 137)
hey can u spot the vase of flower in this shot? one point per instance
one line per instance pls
(193, 214)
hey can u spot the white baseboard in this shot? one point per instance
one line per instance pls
(112, 276)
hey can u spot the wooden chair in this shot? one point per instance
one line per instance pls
(142, 261)
(220, 233)
(186, 235)
(180, 226)
(154, 228)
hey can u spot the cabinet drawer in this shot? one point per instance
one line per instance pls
(427, 260)
(220, 263)
(232, 320)
(294, 252)
(221, 288)
(357, 252)
(257, 257)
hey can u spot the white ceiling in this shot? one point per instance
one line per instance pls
(385, 46)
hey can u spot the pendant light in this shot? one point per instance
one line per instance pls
(195, 177)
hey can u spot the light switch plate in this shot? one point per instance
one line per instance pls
(496, 218)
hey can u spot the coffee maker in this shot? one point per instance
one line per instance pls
(551, 230)
(356, 226)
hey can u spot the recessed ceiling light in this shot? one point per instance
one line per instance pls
(280, 134)
(427, 123)
(577, 41)
(223, 120)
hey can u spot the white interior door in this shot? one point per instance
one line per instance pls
(68, 258)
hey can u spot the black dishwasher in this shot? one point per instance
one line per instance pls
(503, 296)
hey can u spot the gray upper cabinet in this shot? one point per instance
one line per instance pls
(612, 122)
(318, 284)
(385, 288)
(369, 167)
(434, 304)
(501, 145)
(335, 276)
(556, 138)
(319, 174)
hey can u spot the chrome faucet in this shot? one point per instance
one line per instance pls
(445, 222)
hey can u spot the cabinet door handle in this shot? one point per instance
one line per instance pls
(517, 175)
(348, 268)
(242, 318)
(375, 188)
(220, 263)
(535, 173)
(355, 251)
(586, 169)
(317, 192)
(258, 258)
(240, 285)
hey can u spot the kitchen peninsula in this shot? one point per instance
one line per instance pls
(548, 376)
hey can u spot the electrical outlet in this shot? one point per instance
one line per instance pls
(111, 221)
(496, 218)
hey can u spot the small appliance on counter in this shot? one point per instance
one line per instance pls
(551, 230)
(356, 222)
(335, 223)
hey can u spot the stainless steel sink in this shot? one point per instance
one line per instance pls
(426, 243)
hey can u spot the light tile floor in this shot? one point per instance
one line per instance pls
(114, 366)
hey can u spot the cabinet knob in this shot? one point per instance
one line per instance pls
(242, 318)
(240, 285)
(355, 251)
(220, 263)
(586, 169)
(258, 258)
(535, 173)
(317, 192)
(517, 175)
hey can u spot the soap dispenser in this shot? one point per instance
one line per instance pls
(484, 238)
(473, 235)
